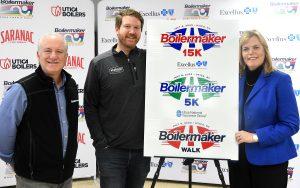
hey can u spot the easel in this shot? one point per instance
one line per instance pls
(188, 162)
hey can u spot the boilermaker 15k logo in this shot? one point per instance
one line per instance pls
(193, 89)
(191, 137)
(16, 9)
(192, 11)
(73, 37)
(192, 40)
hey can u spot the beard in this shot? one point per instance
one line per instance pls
(128, 41)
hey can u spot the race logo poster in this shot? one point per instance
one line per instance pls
(192, 89)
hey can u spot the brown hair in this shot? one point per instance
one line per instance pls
(128, 12)
(246, 35)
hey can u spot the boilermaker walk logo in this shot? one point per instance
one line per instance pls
(193, 89)
(191, 39)
(16, 9)
(191, 137)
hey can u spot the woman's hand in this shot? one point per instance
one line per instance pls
(244, 137)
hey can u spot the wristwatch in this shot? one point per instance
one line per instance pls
(255, 137)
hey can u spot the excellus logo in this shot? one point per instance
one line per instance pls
(191, 137)
(191, 88)
(192, 40)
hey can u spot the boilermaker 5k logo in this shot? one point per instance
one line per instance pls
(192, 89)
(192, 40)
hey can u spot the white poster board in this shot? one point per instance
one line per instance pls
(191, 89)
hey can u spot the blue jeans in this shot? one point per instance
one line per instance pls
(122, 168)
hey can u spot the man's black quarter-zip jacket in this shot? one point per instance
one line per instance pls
(114, 97)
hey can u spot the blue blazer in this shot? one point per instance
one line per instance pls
(271, 112)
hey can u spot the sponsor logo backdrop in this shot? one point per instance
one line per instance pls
(22, 24)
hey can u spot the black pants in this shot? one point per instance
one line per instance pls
(242, 174)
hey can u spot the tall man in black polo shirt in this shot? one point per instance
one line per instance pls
(114, 106)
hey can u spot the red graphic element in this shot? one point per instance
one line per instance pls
(179, 129)
(5, 63)
(81, 138)
(191, 143)
(56, 11)
(207, 138)
(203, 130)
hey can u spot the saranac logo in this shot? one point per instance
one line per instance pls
(191, 137)
(192, 39)
(193, 89)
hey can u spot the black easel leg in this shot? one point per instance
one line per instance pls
(220, 173)
(188, 162)
(190, 175)
(160, 163)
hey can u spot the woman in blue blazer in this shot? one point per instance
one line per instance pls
(268, 117)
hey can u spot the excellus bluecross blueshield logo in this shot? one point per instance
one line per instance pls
(192, 89)
(192, 39)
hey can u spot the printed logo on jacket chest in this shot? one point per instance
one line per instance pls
(116, 70)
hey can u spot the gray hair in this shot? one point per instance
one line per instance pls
(54, 35)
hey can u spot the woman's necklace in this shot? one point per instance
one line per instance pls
(251, 85)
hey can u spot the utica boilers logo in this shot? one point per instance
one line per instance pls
(67, 11)
(193, 89)
(192, 40)
(8, 63)
(191, 137)
(73, 37)
(16, 9)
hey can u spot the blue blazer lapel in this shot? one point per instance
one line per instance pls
(260, 83)
(241, 89)
(241, 99)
